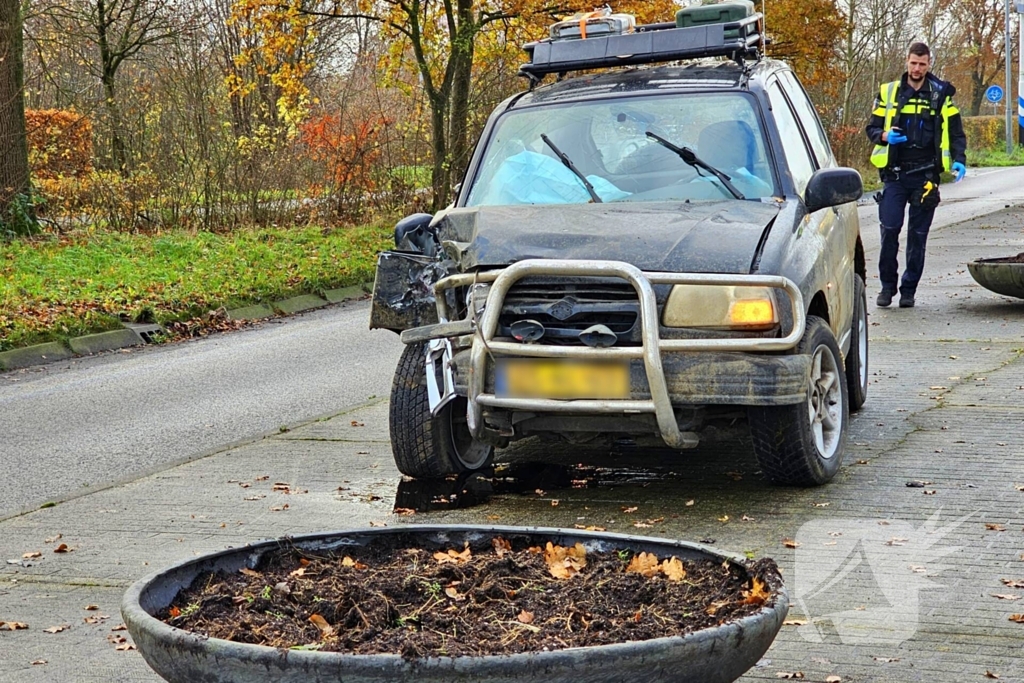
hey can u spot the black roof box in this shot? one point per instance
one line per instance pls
(650, 44)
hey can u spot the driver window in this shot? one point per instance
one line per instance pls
(797, 157)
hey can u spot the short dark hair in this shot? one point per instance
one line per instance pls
(919, 49)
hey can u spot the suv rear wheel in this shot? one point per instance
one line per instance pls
(427, 446)
(803, 444)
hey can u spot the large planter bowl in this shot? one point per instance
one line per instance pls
(999, 275)
(713, 655)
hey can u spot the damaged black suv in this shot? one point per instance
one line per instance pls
(633, 253)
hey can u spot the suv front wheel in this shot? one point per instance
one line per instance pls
(803, 444)
(427, 446)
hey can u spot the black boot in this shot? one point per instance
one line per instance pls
(884, 298)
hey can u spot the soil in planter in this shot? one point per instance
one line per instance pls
(507, 596)
(1019, 258)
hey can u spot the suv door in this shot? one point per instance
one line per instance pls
(807, 150)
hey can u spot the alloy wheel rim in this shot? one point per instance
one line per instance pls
(862, 343)
(825, 402)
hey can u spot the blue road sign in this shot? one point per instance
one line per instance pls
(994, 94)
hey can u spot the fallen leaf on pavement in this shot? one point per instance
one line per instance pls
(279, 508)
(790, 543)
(895, 540)
(794, 622)
(554, 503)
(723, 518)
(629, 510)
(123, 647)
(404, 512)
(789, 674)
(887, 660)
(833, 679)
(57, 629)
(1005, 596)
(38, 661)
(31, 556)
(51, 539)
(99, 618)
(1014, 583)
(994, 527)
(590, 528)
(689, 503)
(63, 548)
(1019, 618)
(119, 627)
(12, 625)
(377, 524)
(989, 674)
(90, 608)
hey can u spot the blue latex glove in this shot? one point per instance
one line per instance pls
(895, 137)
(959, 170)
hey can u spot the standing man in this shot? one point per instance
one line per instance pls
(917, 134)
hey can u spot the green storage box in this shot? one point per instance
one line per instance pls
(718, 13)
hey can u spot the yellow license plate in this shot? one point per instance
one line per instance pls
(550, 378)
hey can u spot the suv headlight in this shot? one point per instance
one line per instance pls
(721, 307)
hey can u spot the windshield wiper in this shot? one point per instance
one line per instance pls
(572, 167)
(687, 155)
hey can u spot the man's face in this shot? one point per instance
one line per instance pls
(917, 66)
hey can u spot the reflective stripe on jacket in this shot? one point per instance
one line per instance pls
(885, 107)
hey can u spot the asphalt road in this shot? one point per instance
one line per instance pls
(72, 427)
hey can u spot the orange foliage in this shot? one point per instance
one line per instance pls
(348, 149)
(59, 142)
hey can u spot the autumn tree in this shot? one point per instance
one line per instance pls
(105, 34)
(14, 178)
(972, 31)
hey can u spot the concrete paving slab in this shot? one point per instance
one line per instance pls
(896, 582)
(105, 341)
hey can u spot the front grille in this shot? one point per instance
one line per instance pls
(567, 307)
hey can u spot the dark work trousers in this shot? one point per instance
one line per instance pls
(891, 210)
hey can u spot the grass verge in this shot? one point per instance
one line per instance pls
(53, 289)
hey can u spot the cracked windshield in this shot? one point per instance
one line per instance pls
(626, 150)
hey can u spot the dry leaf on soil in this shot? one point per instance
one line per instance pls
(564, 563)
(453, 592)
(349, 562)
(758, 593)
(526, 617)
(454, 556)
(326, 630)
(249, 572)
(501, 546)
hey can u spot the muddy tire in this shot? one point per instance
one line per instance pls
(425, 446)
(803, 444)
(857, 359)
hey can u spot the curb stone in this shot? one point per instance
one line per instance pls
(50, 352)
(106, 341)
(298, 304)
(33, 355)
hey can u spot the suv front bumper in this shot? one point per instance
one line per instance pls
(692, 371)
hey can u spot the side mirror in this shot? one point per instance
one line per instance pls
(413, 233)
(832, 187)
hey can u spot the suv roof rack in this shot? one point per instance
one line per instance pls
(649, 44)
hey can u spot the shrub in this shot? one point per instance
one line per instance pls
(59, 143)
(985, 132)
(103, 198)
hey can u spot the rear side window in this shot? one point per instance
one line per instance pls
(809, 117)
(797, 156)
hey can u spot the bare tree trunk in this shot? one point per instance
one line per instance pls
(14, 174)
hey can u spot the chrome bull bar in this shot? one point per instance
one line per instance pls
(652, 345)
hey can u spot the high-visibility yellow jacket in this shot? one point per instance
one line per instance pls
(896, 99)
